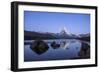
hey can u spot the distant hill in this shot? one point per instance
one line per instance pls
(30, 35)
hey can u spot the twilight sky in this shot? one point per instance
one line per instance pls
(54, 22)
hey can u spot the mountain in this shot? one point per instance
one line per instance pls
(85, 37)
(65, 34)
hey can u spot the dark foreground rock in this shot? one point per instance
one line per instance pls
(55, 45)
(39, 46)
(85, 51)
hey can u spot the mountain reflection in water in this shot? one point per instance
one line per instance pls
(67, 49)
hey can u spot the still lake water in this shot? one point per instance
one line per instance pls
(69, 50)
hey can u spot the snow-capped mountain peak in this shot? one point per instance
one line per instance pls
(64, 31)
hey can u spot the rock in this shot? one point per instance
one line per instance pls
(85, 51)
(55, 45)
(39, 47)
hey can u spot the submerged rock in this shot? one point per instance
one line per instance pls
(39, 46)
(55, 45)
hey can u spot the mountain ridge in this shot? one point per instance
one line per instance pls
(31, 35)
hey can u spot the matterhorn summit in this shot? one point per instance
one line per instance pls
(64, 31)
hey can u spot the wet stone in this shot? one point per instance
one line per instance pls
(39, 46)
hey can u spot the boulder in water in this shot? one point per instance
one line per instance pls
(39, 46)
(55, 45)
